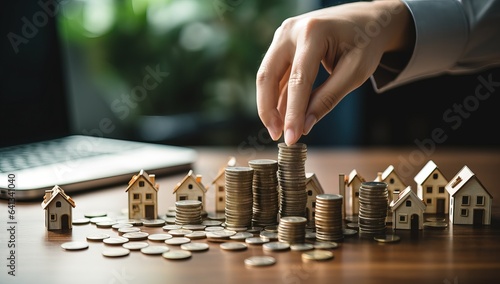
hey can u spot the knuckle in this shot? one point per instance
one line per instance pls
(298, 78)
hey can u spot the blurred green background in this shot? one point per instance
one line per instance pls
(170, 71)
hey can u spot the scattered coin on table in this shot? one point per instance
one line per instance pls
(97, 236)
(177, 254)
(317, 255)
(159, 237)
(233, 246)
(195, 246)
(263, 260)
(115, 252)
(177, 241)
(75, 245)
(135, 245)
(155, 249)
(387, 238)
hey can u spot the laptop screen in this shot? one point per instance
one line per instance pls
(34, 104)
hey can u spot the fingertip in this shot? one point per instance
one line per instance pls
(290, 137)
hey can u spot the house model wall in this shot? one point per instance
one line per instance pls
(407, 211)
(395, 184)
(191, 188)
(142, 193)
(470, 202)
(58, 209)
(431, 185)
(220, 187)
(313, 188)
(351, 200)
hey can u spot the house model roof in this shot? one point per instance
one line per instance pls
(403, 196)
(386, 173)
(56, 190)
(425, 172)
(460, 179)
(352, 175)
(146, 177)
(312, 178)
(230, 163)
(193, 178)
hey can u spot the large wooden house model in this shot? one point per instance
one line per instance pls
(470, 202)
(58, 209)
(431, 189)
(407, 211)
(142, 193)
(191, 188)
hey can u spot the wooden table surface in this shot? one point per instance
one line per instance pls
(457, 254)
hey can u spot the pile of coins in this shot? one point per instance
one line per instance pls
(292, 179)
(328, 217)
(373, 204)
(188, 212)
(239, 196)
(292, 229)
(265, 192)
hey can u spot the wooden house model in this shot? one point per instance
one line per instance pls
(431, 189)
(191, 188)
(219, 184)
(407, 211)
(395, 184)
(58, 209)
(142, 193)
(351, 200)
(313, 188)
(470, 202)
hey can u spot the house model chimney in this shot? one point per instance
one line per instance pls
(152, 178)
(48, 194)
(379, 176)
(198, 178)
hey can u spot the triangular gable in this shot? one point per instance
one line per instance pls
(312, 178)
(189, 176)
(135, 178)
(230, 163)
(403, 196)
(387, 172)
(352, 175)
(425, 172)
(57, 190)
(462, 178)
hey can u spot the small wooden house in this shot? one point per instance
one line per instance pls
(313, 188)
(407, 211)
(470, 202)
(219, 184)
(142, 196)
(431, 189)
(191, 188)
(58, 209)
(351, 200)
(395, 184)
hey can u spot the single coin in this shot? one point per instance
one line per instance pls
(211, 223)
(96, 220)
(179, 232)
(177, 241)
(241, 236)
(105, 224)
(125, 230)
(95, 214)
(135, 245)
(438, 225)
(233, 246)
(387, 238)
(116, 252)
(81, 221)
(217, 216)
(171, 227)
(121, 225)
(193, 227)
(153, 223)
(302, 247)
(159, 237)
(177, 254)
(349, 232)
(257, 240)
(435, 219)
(276, 246)
(196, 235)
(317, 255)
(75, 245)
(214, 228)
(136, 236)
(97, 237)
(195, 246)
(326, 245)
(115, 241)
(262, 260)
(155, 249)
(134, 222)
(353, 225)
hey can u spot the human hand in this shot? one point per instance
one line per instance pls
(349, 40)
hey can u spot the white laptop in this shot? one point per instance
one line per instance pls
(37, 146)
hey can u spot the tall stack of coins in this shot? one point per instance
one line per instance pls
(239, 196)
(373, 204)
(292, 229)
(292, 179)
(188, 212)
(265, 192)
(328, 217)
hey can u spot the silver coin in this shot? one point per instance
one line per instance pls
(135, 245)
(349, 232)
(97, 237)
(241, 236)
(171, 227)
(155, 249)
(439, 225)
(301, 247)
(196, 235)
(233, 246)
(95, 214)
(135, 236)
(81, 221)
(75, 245)
(121, 225)
(159, 237)
(116, 252)
(260, 260)
(221, 234)
(177, 254)
(276, 246)
(257, 240)
(195, 246)
(115, 241)
(177, 241)
(211, 223)
(179, 232)
(435, 219)
(193, 227)
(317, 255)
(105, 224)
(153, 223)
(125, 230)
(387, 238)
(96, 220)
(326, 245)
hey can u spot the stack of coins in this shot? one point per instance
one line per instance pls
(292, 229)
(373, 204)
(292, 179)
(188, 212)
(265, 192)
(328, 217)
(239, 196)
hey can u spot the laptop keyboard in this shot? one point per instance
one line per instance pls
(56, 151)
